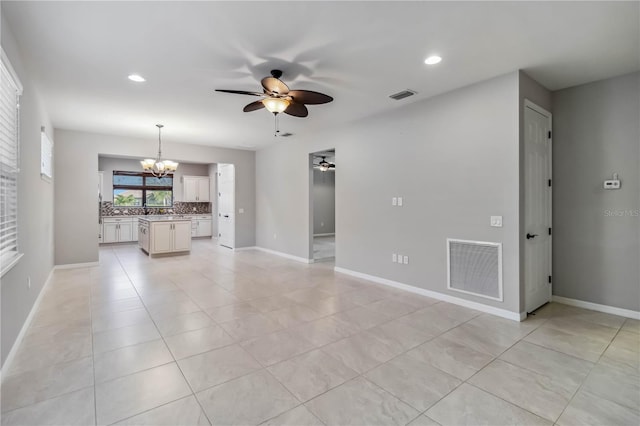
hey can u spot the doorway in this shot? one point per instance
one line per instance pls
(323, 205)
(226, 205)
(537, 206)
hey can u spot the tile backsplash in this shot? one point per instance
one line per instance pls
(108, 209)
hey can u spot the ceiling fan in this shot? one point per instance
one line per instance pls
(324, 165)
(277, 98)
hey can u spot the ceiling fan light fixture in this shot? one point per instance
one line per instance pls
(275, 105)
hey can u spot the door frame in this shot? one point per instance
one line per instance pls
(534, 107)
(233, 204)
(310, 159)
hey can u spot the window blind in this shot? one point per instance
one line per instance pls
(10, 90)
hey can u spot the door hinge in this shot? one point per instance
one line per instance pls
(549, 134)
(549, 279)
(549, 231)
(549, 182)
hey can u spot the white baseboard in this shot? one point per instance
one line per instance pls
(77, 265)
(278, 253)
(25, 327)
(628, 313)
(245, 248)
(515, 316)
(329, 234)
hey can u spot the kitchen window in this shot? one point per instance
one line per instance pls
(10, 91)
(138, 189)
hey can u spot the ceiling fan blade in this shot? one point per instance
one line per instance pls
(297, 110)
(309, 97)
(240, 92)
(253, 106)
(274, 85)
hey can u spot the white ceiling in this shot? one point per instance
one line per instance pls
(80, 54)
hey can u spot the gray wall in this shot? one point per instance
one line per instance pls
(109, 164)
(455, 160)
(35, 208)
(75, 166)
(324, 202)
(597, 232)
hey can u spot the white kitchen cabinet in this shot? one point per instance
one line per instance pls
(195, 189)
(119, 230)
(169, 236)
(203, 226)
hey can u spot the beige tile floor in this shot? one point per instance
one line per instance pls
(247, 338)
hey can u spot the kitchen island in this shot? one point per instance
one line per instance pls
(164, 234)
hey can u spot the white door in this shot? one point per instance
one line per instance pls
(537, 214)
(190, 189)
(162, 237)
(126, 231)
(203, 189)
(226, 205)
(182, 236)
(204, 227)
(110, 231)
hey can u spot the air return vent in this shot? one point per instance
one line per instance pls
(475, 267)
(402, 95)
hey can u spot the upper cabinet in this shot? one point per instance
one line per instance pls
(196, 189)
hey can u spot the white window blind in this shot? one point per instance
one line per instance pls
(10, 90)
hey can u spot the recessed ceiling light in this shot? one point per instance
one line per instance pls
(137, 78)
(432, 60)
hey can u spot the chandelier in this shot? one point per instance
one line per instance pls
(159, 167)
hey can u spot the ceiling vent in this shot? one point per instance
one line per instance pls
(402, 95)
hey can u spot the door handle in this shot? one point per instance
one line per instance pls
(226, 215)
(530, 236)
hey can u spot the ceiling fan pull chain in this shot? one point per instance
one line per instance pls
(277, 126)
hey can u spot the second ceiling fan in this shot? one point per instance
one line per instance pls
(277, 97)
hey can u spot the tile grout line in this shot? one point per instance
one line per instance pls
(167, 348)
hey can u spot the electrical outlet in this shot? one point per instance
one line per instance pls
(399, 201)
(275, 236)
(241, 210)
(321, 224)
(29, 282)
(394, 258)
(405, 260)
(496, 221)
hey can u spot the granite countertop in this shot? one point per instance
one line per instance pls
(123, 216)
(165, 218)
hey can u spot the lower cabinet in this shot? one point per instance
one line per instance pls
(201, 226)
(168, 237)
(119, 230)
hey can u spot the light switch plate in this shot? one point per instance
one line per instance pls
(399, 201)
(405, 260)
(394, 258)
(394, 201)
(496, 221)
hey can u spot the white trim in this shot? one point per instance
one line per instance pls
(77, 265)
(12, 72)
(537, 108)
(279, 253)
(324, 235)
(515, 316)
(500, 297)
(628, 313)
(244, 248)
(11, 263)
(25, 327)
